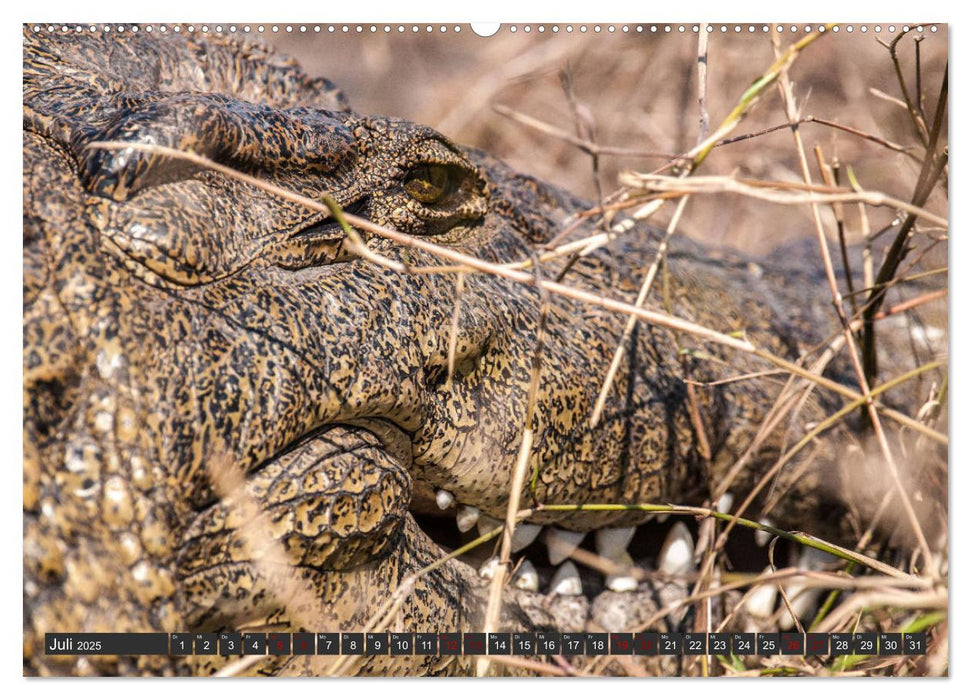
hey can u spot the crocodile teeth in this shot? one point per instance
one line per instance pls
(725, 502)
(802, 598)
(622, 583)
(488, 569)
(612, 541)
(761, 536)
(486, 523)
(526, 578)
(612, 544)
(524, 535)
(761, 601)
(562, 543)
(566, 580)
(677, 552)
(444, 499)
(466, 518)
(802, 601)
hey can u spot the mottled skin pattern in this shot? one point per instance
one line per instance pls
(177, 320)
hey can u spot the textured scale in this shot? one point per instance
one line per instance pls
(176, 319)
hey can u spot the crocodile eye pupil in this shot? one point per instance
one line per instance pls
(428, 183)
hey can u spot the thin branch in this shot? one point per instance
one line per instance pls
(518, 478)
(785, 87)
(825, 122)
(930, 172)
(767, 191)
(473, 263)
(703, 81)
(749, 98)
(645, 289)
(585, 145)
(920, 127)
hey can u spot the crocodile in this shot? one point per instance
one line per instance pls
(235, 418)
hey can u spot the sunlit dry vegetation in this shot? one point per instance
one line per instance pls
(759, 141)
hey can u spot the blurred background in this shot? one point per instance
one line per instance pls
(639, 91)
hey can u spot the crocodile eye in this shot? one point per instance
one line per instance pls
(429, 183)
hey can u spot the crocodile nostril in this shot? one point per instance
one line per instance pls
(467, 365)
(436, 376)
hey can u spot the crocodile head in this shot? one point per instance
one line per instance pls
(232, 416)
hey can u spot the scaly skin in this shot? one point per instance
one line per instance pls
(177, 320)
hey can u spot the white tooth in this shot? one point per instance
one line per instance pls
(761, 536)
(486, 523)
(801, 597)
(466, 518)
(524, 535)
(813, 559)
(612, 541)
(612, 544)
(526, 578)
(662, 517)
(562, 543)
(622, 583)
(725, 502)
(802, 600)
(761, 601)
(566, 580)
(488, 569)
(444, 499)
(677, 552)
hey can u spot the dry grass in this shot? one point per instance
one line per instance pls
(583, 110)
(640, 91)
